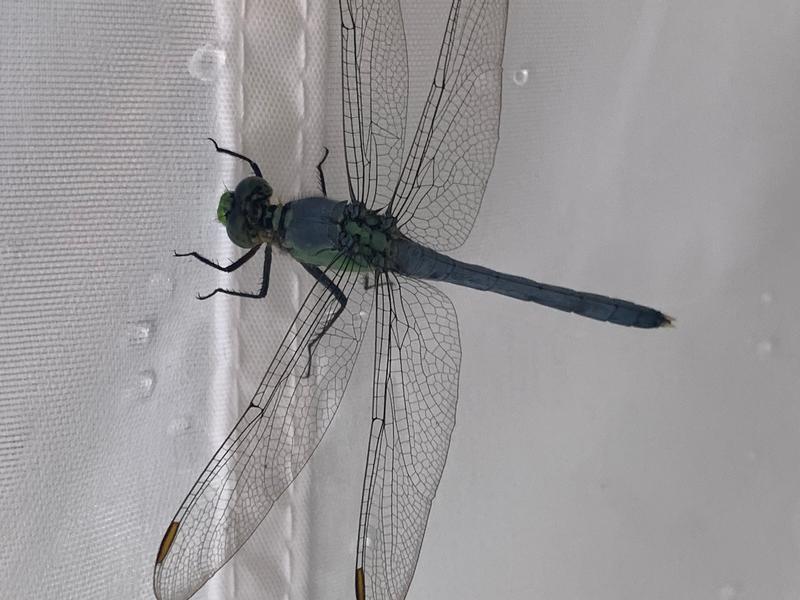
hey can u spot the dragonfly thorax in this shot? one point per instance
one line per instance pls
(247, 213)
(368, 234)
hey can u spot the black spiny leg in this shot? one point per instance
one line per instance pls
(379, 281)
(317, 274)
(235, 265)
(230, 268)
(251, 162)
(321, 174)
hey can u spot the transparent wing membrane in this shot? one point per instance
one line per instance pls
(415, 390)
(436, 197)
(374, 97)
(269, 445)
(448, 164)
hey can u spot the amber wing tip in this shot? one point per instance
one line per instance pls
(668, 321)
(166, 543)
(360, 588)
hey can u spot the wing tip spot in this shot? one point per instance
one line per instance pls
(360, 590)
(166, 543)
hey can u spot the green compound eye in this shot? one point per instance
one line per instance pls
(224, 208)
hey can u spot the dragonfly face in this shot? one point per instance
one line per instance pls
(247, 213)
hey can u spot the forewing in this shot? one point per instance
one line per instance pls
(418, 354)
(449, 162)
(269, 445)
(374, 97)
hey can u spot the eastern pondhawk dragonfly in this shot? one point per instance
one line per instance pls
(404, 210)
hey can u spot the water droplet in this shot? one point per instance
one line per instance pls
(179, 426)
(206, 62)
(145, 384)
(160, 286)
(764, 349)
(728, 592)
(140, 332)
(140, 387)
(766, 298)
(520, 77)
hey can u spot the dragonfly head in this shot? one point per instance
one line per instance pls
(247, 213)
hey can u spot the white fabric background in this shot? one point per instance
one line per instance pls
(648, 150)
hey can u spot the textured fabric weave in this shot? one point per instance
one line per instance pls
(648, 150)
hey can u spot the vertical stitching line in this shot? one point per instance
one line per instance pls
(300, 152)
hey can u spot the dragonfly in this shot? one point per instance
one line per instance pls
(410, 202)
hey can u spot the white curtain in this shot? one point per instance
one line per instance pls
(648, 150)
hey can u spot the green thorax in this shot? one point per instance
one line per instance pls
(367, 236)
(326, 233)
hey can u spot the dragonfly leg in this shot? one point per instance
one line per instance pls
(321, 174)
(262, 292)
(378, 282)
(230, 268)
(323, 279)
(251, 162)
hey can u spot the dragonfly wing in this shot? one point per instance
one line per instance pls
(374, 97)
(270, 444)
(444, 177)
(418, 354)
